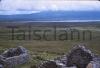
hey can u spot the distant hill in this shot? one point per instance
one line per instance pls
(53, 16)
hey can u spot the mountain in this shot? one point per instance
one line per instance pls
(53, 16)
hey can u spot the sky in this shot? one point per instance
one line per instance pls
(10, 7)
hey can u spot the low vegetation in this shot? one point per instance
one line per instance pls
(41, 50)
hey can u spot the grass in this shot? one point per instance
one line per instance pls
(41, 50)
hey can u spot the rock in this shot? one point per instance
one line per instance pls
(79, 56)
(1, 66)
(96, 62)
(61, 61)
(90, 65)
(96, 65)
(52, 64)
(14, 56)
(48, 64)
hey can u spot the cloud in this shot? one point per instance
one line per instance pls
(17, 12)
(45, 5)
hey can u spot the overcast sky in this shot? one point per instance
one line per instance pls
(8, 7)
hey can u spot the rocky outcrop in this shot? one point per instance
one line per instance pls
(14, 56)
(78, 57)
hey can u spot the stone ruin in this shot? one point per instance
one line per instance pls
(14, 56)
(78, 57)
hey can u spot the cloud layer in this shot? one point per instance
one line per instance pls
(11, 6)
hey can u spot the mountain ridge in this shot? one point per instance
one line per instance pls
(53, 16)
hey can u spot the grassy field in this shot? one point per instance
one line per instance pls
(48, 49)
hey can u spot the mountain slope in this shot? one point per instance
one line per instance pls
(53, 16)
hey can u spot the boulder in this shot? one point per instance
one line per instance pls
(14, 56)
(79, 56)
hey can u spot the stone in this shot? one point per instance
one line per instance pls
(90, 65)
(48, 64)
(96, 62)
(61, 61)
(79, 56)
(1, 66)
(14, 56)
